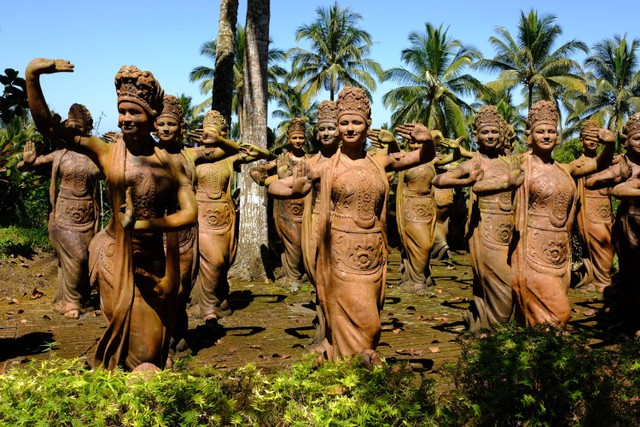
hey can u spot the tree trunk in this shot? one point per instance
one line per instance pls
(225, 59)
(253, 240)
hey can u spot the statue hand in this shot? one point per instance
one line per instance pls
(49, 66)
(605, 136)
(127, 211)
(210, 136)
(195, 135)
(415, 131)
(29, 153)
(476, 173)
(111, 136)
(301, 181)
(386, 137)
(250, 150)
(516, 174)
(259, 175)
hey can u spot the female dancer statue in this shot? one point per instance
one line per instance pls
(351, 261)
(138, 283)
(74, 216)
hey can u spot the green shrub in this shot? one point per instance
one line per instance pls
(66, 393)
(23, 241)
(529, 376)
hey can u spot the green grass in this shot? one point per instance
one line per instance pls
(23, 241)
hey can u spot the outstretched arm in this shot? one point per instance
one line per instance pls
(613, 175)
(513, 180)
(382, 138)
(44, 120)
(404, 160)
(184, 218)
(464, 175)
(48, 124)
(454, 155)
(295, 186)
(31, 160)
(629, 189)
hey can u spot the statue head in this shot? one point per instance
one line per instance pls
(542, 112)
(297, 133)
(80, 118)
(354, 100)
(630, 128)
(141, 88)
(542, 127)
(327, 120)
(489, 128)
(587, 130)
(215, 119)
(170, 126)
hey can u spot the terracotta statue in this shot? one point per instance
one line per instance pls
(351, 262)
(287, 214)
(595, 219)
(417, 215)
(624, 176)
(329, 142)
(139, 282)
(545, 207)
(170, 130)
(217, 223)
(489, 223)
(74, 216)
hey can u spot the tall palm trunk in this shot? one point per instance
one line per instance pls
(225, 59)
(253, 212)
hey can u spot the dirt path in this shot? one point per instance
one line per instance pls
(269, 327)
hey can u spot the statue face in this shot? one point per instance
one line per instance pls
(590, 143)
(414, 145)
(133, 119)
(327, 133)
(543, 138)
(76, 124)
(297, 140)
(488, 136)
(168, 129)
(633, 143)
(352, 129)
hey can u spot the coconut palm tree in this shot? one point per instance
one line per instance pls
(338, 56)
(530, 60)
(615, 93)
(431, 87)
(204, 74)
(290, 105)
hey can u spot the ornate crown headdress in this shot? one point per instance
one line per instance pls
(297, 125)
(80, 113)
(139, 87)
(354, 100)
(632, 126)
(588, 126)
(327, 112)
(489, 115)
(213, 118)
(171, 106)
(542, 112)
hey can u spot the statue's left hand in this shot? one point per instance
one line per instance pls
(415, 131)
(49, 66)
(127, 211)
(605, 136)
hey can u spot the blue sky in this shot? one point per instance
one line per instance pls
(165, 37)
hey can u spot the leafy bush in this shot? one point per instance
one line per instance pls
(66, 393)
(533, 376)
(23, 241)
